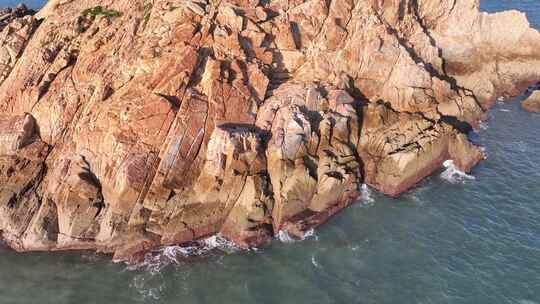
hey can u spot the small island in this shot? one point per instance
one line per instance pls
(128, 125)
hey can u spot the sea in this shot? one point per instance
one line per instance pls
(456, 238)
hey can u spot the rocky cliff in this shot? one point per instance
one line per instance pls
(131, 124)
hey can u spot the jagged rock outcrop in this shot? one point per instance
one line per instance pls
(400, 149)
(8, 15)
(128, 125)
(16, 27)
(532, 103)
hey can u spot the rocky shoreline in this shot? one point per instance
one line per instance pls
(532, 102)
(128, 125)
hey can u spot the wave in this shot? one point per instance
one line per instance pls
(310, 234)
(158, 259)
(366, 197)
(314, 262)
(285, 237)
(483, 125)
(453, 175)
(149, 282)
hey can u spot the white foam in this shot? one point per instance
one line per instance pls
(149, 283)
(310, 234)
(219, 242)
(314, 262)
(505, 110)
(453, 175)
(285, 237)
(484, 152)
(365, 195)
(484, 125)
(158, 259)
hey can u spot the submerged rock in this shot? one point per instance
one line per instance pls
(128, 125)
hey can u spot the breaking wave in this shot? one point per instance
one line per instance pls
(285, 237)
(310, 234)
(453, 175)
(149, 282)
(158, 259)
(366, 197)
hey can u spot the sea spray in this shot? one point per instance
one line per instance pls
(220, 243)
(149, 283)
(453, 175)
(365, 195)
(483, 126)
(314, 261)
(365, 199)
(156, 260)
(285, 237)
(310, 234)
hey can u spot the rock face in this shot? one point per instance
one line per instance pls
(532, 103)
(7, 15)
(128, 125)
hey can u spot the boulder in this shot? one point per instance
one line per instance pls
(532, 103)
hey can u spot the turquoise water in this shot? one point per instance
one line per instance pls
(472, 239)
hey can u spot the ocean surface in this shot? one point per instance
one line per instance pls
(454, 239)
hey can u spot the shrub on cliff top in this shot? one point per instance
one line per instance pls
(99, 10)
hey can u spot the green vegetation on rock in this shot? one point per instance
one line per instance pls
(147, 11)
(99, 10)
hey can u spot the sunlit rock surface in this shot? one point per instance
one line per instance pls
(126, 125)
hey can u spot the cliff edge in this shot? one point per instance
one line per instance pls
(131, 124)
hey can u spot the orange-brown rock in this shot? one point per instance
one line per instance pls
(400, 149)
(532, 103)
(128, 125)
(7, 15)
